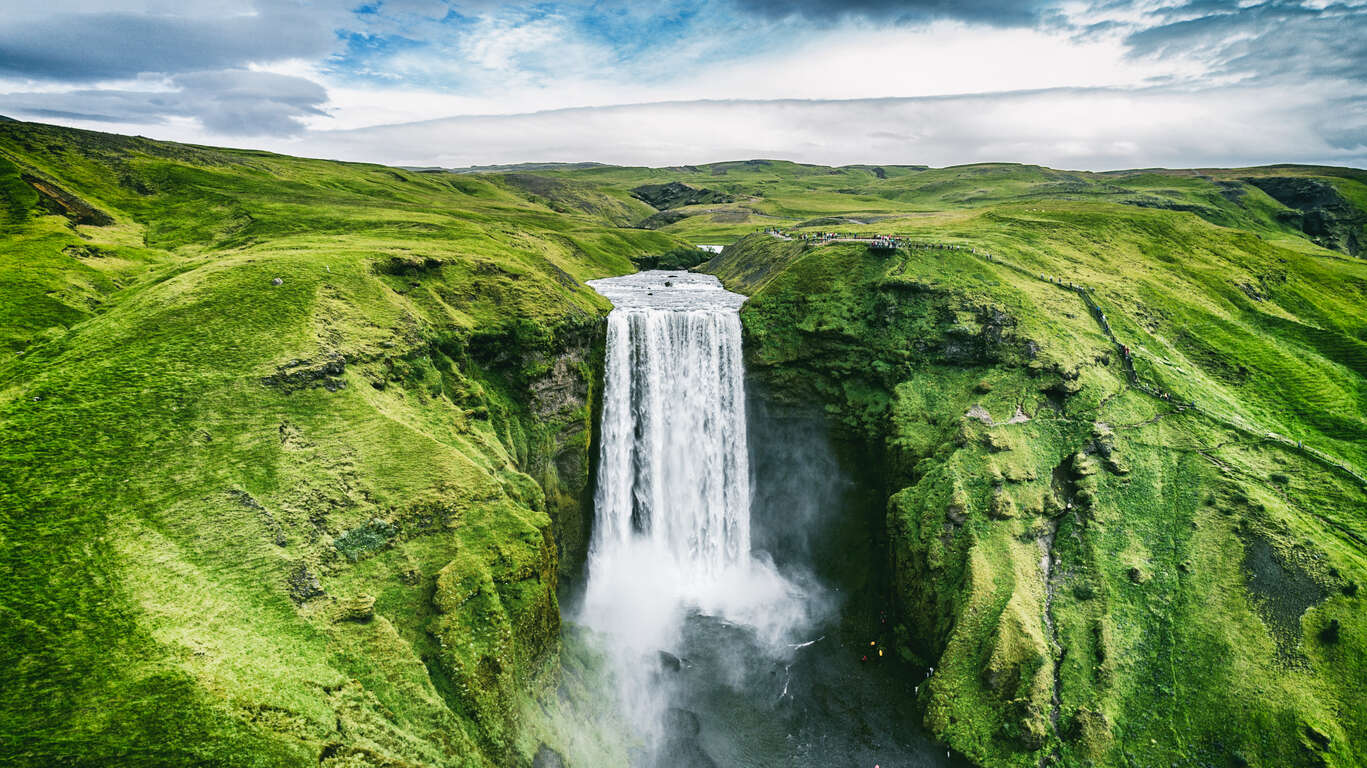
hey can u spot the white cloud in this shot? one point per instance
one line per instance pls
(1069, 128)
(1149, 82)
(944, 58)
(847, 62)
(234, 102)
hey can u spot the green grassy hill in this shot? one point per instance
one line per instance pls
(1100, 575)
(294, 454)
(287, 450)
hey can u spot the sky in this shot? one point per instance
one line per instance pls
(1079, 84)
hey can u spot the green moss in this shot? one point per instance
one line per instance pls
(208, 474)
(1050, 545)
(324, 519)
(365, 538)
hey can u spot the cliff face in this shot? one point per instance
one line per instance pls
(556, 378)
(1092, 571)
(677, 195)
(293, 455)
(1319, 210)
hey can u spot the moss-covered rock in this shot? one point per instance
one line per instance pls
(1075, 594)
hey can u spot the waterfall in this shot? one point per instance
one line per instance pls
(672, 521)
(674, 471)
(715, 656)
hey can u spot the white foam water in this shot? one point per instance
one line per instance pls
(672, 520)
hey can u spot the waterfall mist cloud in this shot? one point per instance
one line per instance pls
(799, 485)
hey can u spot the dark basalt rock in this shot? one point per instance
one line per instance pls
(360, 609)
(682, 748)
(662, 219)
(1282, 592)
(1164, 204)
(669, 662)
(676, 194)
(686, 754)
(370, 537)
(408, 266)
(681, 723)
(1326, 216)
(303, 585)
(84, 251)
(303, 374)
(1232, 191)
(58, 201)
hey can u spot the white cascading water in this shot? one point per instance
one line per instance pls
(674, 471)
(672, 525)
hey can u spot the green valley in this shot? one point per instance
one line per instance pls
(297, 456)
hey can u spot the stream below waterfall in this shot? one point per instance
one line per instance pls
(733, 589)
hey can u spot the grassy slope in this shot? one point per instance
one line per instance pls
(1194, 564)
(148, 606)
(787, 194)
(1184, 550)
(186, 446)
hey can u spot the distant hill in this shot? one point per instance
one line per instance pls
(506, 168)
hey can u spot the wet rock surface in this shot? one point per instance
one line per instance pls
(669, 662)
(682, 748)
(681, 723)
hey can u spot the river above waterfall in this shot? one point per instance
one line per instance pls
(725, 653)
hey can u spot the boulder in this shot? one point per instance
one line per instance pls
(303, 585)
(669, 662)
(681, 723)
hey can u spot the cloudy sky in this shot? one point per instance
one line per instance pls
(1091, 84)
